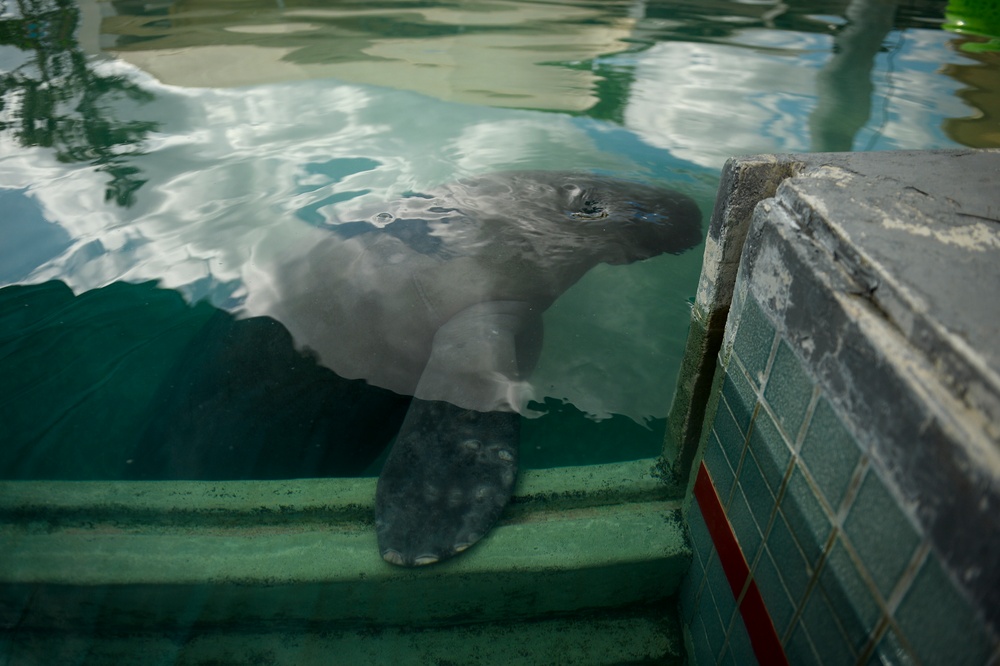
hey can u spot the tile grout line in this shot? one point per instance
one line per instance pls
(913, 567)
(727, 501)
(885, 620)
(829, 513)
(810, 586)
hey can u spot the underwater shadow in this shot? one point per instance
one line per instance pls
(131, 382)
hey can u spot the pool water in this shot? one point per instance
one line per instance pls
(182, 147)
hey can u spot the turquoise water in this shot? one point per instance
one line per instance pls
(190, 146)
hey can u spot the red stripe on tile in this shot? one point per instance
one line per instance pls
(763, 638)
(733, 562)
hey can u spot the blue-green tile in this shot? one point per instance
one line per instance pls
(715, 626)
(848, 596)
(792, 566)
(690, 592)
(779, 606)
(739, 396)
(789, 390)
(701, 540)
(755, 490)
(824, 631)
(806, 517)
(799, 649)
(830, 452)
(739, 643)
(729, 435)
(747, 532)
(939, 623)
(880, 533)
(771, 451)
(722, 592)
(891, 652)
(702, 647)
(726, 658)
(723, 476)
(753, 341)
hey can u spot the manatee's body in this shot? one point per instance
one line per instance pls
(439, 295)
(427, 310)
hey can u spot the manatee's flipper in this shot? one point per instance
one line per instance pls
(452, 469)
(448, 477)
(480, 355)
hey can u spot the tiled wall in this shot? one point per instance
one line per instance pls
(790, 511)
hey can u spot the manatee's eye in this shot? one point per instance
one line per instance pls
(591, 210)
(382, 218)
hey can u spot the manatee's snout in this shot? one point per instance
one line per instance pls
(667, 223)
(682, 229)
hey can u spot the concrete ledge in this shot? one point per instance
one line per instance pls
(745, 182)
(174, 553)
(881, 271)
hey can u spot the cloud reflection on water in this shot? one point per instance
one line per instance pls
(231, 171)
(238, 176)
(706, 102)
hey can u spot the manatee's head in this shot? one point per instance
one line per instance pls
(548, 218)
(568, 217)
(633, 221)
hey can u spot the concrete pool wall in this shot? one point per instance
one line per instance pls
(846, 483)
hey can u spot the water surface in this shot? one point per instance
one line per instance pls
(186, 144)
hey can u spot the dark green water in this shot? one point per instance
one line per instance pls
(190, 146)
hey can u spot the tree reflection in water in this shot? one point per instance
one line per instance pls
(56, 99)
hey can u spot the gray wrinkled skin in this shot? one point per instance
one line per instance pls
(439, 295)
(444, 488)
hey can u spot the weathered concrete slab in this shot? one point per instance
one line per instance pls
(881, 271)
(745, 182)
(939, 290)
(920, 232)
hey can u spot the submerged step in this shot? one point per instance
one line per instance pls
(643, 635)
(179, 554)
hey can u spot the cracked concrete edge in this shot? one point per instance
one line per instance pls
(925, 259)
(746, 181)
(950, 382)
(934, 452)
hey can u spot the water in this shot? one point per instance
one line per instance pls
(185, 145)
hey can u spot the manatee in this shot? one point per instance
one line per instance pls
(439, 295)
(420, 319)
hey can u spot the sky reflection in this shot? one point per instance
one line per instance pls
(264, 126)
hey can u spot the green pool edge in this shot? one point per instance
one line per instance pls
(596, 551)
